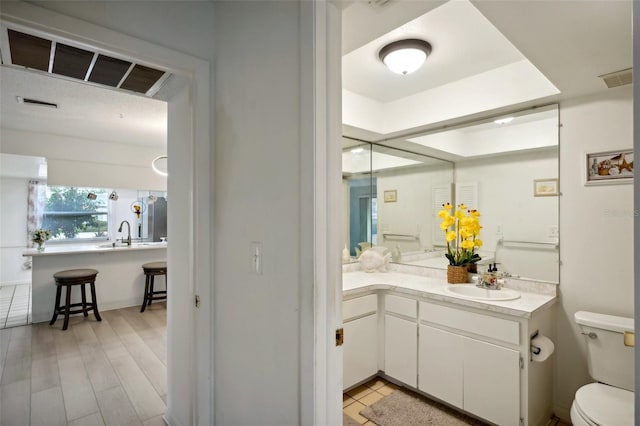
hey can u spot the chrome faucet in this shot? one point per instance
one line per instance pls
(128, 240)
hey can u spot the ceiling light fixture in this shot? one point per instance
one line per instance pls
(405, 56)
(503, 120)
(159, 165)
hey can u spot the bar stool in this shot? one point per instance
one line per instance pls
(152, 269)
(68, 279)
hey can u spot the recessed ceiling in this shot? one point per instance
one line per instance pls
(47, 54)
(488, 58)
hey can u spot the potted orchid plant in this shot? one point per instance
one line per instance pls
(461, 230)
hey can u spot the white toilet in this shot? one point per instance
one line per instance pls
(609, 402)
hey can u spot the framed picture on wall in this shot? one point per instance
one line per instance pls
(609, 167)
(391, 196)
(545, 187)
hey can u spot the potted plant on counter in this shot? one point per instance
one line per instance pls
(39, 237)
(461, 230)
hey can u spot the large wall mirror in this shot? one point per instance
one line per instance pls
(506, 167)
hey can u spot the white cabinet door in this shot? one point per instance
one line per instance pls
(440, 364)
(360, 350)
(401, 350)
(492, 382)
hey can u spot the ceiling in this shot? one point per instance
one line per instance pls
(565, 44)
(489, 57)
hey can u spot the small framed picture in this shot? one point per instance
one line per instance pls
(545, 187)
(610, 167)
(391, 196)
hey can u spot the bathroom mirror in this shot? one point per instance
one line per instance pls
(506, 167)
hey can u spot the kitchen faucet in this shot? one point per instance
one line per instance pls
(128, 240)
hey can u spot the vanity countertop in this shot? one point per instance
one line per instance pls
(60, 249)
(359, 282)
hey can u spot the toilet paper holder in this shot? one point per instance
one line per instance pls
(533, 348)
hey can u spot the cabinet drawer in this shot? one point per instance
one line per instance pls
(401, 305)
(482, 325)
(359, 306)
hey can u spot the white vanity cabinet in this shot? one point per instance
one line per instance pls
(360, 348)
(401, 339)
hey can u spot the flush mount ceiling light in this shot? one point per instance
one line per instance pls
(405, 56)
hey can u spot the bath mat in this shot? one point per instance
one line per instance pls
(402, 409)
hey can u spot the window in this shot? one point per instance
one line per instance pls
(71, 215)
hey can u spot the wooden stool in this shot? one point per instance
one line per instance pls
(150, 271)
(68, 279)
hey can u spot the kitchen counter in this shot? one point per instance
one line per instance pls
(120, 280)
(358, 282)
(58, 249)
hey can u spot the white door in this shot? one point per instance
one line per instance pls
(440, 364)
(492, 382)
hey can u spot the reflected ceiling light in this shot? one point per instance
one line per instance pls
(405, 56)
(357, 150)
(503, 120)
(159, 165)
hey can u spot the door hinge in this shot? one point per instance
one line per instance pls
(339, 336)
(197, 301)
(521, 363)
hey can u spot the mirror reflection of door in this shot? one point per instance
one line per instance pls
(362, 221)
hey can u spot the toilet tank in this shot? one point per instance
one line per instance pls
(610, 361)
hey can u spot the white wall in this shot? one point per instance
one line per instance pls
(259, 171)
(81, 162)
(596, 232)
(507, 204)
(13, 230)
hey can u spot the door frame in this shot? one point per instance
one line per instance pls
(195, 170)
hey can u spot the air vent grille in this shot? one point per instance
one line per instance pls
(36, 102)
(54, 57)
(618, 78)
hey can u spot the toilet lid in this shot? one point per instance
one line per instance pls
(605, 405)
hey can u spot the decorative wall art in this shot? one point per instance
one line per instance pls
(610, 167)
(545, 187)
(391, 196)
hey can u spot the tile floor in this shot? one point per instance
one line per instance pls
(363, 396)
(110, 373)
(15, 305)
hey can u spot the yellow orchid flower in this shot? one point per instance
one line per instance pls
(444, 226)
(477, 242)
(462, 207)
(442, 214)
(467, 244)
(450, 236)
(447, 206)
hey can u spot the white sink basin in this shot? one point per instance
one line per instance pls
(470, 291)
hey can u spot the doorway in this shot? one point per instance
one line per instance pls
(188, 258)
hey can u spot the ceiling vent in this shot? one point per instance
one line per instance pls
(618, 78)
(35, 102)
(54, 57)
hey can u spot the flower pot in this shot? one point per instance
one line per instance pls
(40, 246)
(457, 274)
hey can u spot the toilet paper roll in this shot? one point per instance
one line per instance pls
(541, 348)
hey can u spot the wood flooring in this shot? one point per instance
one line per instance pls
(111, 372)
